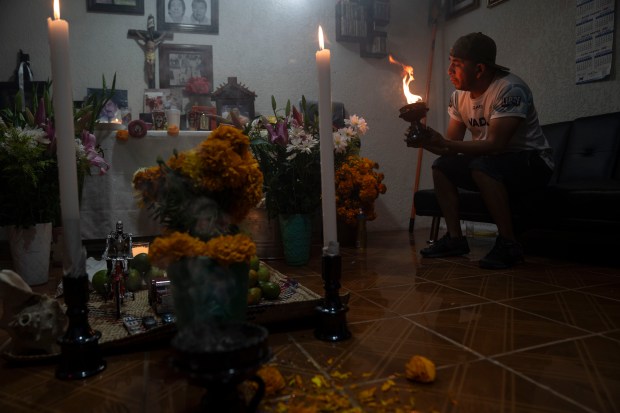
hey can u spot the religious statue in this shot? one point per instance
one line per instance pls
(149, 40)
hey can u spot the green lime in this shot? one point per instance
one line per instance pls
(263, 273)
(153, 273)
(134, 280)
(254, 295)
(254, 263)
(100, 279)
(252, 278)
(271, 290)
(141, 262)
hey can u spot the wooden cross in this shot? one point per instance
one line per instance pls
(149, 40)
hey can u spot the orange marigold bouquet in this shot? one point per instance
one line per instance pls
(200, 196)
(358, 185)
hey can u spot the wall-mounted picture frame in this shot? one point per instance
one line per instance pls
(188, 16)
(180, 62)
(458, 7)
(116, 6)
(492, 3)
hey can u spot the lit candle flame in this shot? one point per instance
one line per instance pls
(321, 42)
(56, 10)
(407, 79)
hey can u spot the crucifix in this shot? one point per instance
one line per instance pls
(149, 40)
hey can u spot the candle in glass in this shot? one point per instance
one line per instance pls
(58, 30)
(330, 241)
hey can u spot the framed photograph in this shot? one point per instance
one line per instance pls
(457, 7)
(116, 6)
(162, 99)
(491, 3)
(180, 62)
(113, 109)
(189, 16)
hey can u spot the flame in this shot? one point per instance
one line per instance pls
(321, 42)
(56, 10)
(407, 79)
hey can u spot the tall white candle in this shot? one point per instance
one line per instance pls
(330, 239)
(58, 30)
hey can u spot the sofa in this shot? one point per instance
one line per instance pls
(582, 198)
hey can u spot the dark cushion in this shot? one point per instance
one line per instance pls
(592, 148)
(557, 134)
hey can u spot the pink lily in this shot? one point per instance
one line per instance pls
(298, 117)
(278, 135)
(90, 147)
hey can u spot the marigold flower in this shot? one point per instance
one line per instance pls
(228, 249)
(273, 379)
(421, 369)
(122, 134)
(173, 130)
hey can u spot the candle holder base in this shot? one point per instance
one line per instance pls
(80, 354)
(332, 321)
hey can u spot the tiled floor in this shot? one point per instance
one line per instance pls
(542, 337)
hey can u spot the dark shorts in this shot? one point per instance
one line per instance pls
(520, 171)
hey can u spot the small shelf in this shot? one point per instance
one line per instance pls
(357, 21)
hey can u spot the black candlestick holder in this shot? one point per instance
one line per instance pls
(80, 354)
(332, 320)
(414, 113)
(219, 357)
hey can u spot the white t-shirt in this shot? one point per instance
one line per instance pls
(507, 95)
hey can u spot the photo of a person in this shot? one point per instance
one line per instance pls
(176, 11)
(110, 112)
(199, 12)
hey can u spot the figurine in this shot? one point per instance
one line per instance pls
(118, 246)
(149, 40)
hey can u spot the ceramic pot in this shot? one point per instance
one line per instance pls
(30, 252)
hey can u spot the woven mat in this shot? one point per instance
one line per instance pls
(295, 301)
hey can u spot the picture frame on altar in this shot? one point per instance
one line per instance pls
(162, 99)
(456, 8)
(180, 62)
(112, 111)
(199, 16)
(116, 6)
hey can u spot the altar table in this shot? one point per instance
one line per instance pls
(109, 198)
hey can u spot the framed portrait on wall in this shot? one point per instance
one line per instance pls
(457, 7)
(492, 3)
(189, 16)
(116, 6)
(180, 62)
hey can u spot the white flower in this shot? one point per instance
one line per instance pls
(341, 141)
(300, 143)
(357, 123)
(36, 135)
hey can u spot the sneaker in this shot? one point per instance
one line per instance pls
(504, 254)
(446, 247)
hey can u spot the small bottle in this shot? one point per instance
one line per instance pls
(360, 241)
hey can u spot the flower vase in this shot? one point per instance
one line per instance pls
(205, 291)
(347, 234)
(296, 231)
(30, 252)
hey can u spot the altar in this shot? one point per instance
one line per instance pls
(109, 198)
